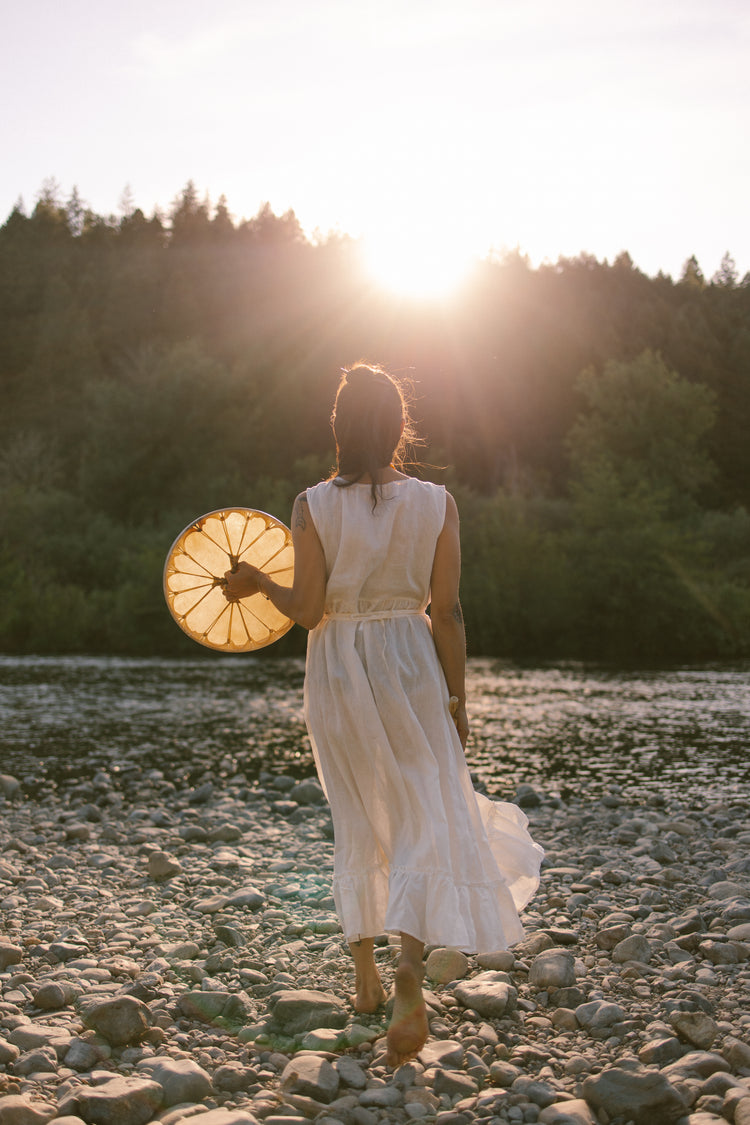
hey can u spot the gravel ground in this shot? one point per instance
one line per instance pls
(171, 952)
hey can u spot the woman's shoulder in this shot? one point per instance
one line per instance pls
(319, 489)
(428, 488)
(427, 485)
(429, 498)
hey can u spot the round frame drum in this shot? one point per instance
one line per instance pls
(194, 579)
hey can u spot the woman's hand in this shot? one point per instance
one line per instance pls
(241, 583)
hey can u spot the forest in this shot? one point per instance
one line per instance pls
(591, 421)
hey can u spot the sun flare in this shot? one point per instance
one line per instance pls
(414, 264)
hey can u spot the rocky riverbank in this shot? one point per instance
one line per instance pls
(170, 953)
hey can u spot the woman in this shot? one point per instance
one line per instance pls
(417, 851)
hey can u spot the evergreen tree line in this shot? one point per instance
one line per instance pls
(591, 421)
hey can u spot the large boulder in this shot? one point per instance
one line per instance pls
(181, 1080)
(120, 1101)
(310, 1076)
(553, 968)
(635, 1093)
(490, 994)
(298, 1010)
(18, 1110)
(120, 1021)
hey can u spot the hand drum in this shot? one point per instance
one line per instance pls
(194, 579)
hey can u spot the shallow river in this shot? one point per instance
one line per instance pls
(566, 729)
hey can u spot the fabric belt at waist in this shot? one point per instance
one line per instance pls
(374, 615)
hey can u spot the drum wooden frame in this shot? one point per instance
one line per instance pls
(194, 578)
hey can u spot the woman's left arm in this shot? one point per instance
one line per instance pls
(304, 600)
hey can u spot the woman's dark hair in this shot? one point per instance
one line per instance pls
(371, 425)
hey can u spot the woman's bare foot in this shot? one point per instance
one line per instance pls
(408, 1030)
(369, 996)
(370, 993)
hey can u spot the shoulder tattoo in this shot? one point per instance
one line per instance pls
(300, 512)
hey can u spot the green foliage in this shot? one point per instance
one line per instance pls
(515, 576)
(644, 585)
(155, 369)
(645, 426)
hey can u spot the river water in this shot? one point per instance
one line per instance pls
(567, 729)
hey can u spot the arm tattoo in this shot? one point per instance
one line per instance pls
(300, 519)
(457, 614)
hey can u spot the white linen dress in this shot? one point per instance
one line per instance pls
(416, 849)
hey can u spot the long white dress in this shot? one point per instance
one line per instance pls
(416, 849)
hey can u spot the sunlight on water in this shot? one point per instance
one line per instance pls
(566, 729)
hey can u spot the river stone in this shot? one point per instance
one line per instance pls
(739, 933)
(119, 1101)
(726, 889)
(311, 1076)
(17, 1110)
(574, 1112)
(696, 1027)
(55, 995)
(83, 1055)
(719, 952)
(553, 968)
(742, 1112)
(696, 1064)
(8, 1052)
(162, 866)
(351, 1074)
(454, 1082)
(533, 944)
(661, 1051)
(181, 1080)
(66, 951)
(488, 994)
(296, 1011)
(597, 1014)
(234, 1076)
(566, 997)
(9, 954)
(203, 1006)
(224, 833)
(633, 948)
(737, 1053)
(325, 1039)
(538, 1092)
(224, 1117)
(609, 937)
(308, 792)
(380, 1097)
(444, 965)
(442, 1052)
(42, 1060)
(120, 1020)
(246, 896)
(230, 935)
(76, 830)
(501, 960)
(689, 1002)
(211, 905)
(640, 1095)
(30, 1035)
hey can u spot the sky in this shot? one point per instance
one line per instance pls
(434, 130)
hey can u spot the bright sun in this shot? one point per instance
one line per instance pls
(416, 264)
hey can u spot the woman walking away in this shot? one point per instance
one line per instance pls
(417, 851)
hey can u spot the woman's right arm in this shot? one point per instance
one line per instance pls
(304, 600)
(445, 613)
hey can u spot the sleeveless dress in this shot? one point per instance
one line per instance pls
(416, 849)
